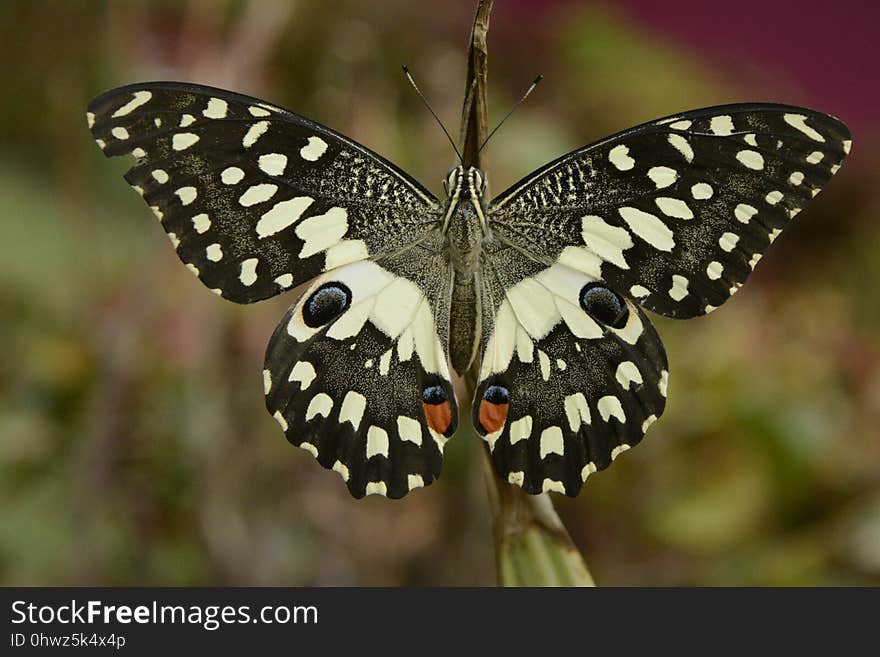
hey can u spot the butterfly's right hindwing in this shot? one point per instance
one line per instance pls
(357, 372)
(256, 199)
(571, 373)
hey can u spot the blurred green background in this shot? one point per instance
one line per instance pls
(134, 444)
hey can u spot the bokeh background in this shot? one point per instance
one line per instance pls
(134, 445)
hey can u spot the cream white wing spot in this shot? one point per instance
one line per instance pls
(721, 125)
(702, 191)
(639, 291)
(606, 241)
(552, 442)
(714, 270)
(186, 120)
(815, 157)
(310, 448)
(649, 227)
(674, 207)
(682, 145)
(577, 411)
(552, 485)
(662, 176)
(285, 280)
(120, 133)
(773, 197)
(186, 194)
(409, 429)
(663, 384)
(160, 176)
(628, 374)
(342, 470)
(280, 420)
(272, 164)
(751, 159)
(679, 289)
(321, 404)
(248, 272)
(352, 409)
(256, 131)
(201, 223)
(520, 429)
(377, 442)
(214, 252)
(183, 140)
(138, 99)
(231, 175)
(744, 213)
(283, 214)
(620, 158)
(376, 488)
(216, 109)
(259, 193)
(303, 373)
(609, 406)
(322, 231)
(796, 178)
(313, 150)
(728, 241)
(617, 451)
(799, 122)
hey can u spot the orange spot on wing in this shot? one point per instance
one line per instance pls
(492, 416)
(438, 416)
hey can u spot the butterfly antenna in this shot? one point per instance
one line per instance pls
(512, 110)
(431, 110)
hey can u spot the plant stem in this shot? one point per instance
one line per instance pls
(532, 546)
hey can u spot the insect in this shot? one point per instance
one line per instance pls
(544, 288)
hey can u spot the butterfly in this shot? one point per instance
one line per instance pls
(542, 289)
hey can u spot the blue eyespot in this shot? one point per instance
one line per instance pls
(604, 304)
(496, 394)
(433, 394)
(326, 304)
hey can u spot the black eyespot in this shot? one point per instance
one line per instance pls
(326, 304)
(604, 304)
(433, 394)
(496, 395)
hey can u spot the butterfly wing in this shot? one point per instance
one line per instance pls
(571, 374)
(254, 198)
(676, 213)
(257, 200)
(357, 371)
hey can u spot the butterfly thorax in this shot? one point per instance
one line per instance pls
(465, 229)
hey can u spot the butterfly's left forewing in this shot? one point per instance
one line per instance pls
(256, 199)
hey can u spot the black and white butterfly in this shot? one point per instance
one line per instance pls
(544, 287)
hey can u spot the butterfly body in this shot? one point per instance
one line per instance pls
(541, 290)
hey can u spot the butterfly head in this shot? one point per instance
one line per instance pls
(471, 179)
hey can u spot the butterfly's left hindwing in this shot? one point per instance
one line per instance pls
(357, 372)
(571, 373)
